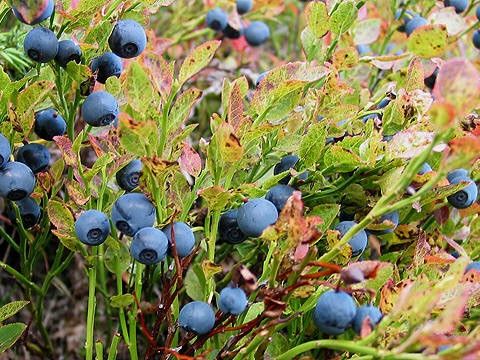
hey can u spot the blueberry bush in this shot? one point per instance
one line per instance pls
(239, 179)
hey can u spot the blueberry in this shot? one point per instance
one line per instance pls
(371, 312)
(128, 177)
(197, 317)
(231, 33)
(463, 173)
(255, 216)
(35, 156)
(407, 16)
(5, 150)
(477, 13)
(430, 81)
(459, 5)
(100, 109)
(426, 168)
(244, 6)
(414, 24)
(132, 212)
(288, 162)
(184, 238)
(49, 123)
(474, 265)
(370, 116)
(257, 33)
(383, 103)
(363, 49)
(29, 210)
(43, 15)
(465, 197)
(68, 51)
(334, 312)
(232, 301)
(228, 229)
(260, 78)
(128, 39)
(41, 45)
(358, 242)
(476, 39)
(387, 138)
(92, 227)
(393, 217)
(217, 19)
(106, 65)
(279, 195)
(16, 181)
(149, 246)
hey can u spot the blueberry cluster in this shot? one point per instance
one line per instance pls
(256, 33)
(336, 311)
(198, 317)
(253, 217)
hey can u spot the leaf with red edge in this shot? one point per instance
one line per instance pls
(458, 83)
(360, 271)
(422, 249)
(235, 107)
(190, 161)
(65, 146)
(198, 59)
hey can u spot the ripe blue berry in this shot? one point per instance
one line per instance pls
(462, 173)
(334, 312)
(474, 265)
(40, 14)
(426, 168)
(149, 246)
(459, 5)
(217, 19)
(184, 238)
(106, 65)
(68, 51)
(49, 123)
(414, 24)
(197, 317)
(357, 242)
(363, 49)
(279, 195)
(100, 109)
(374, 117)
(383, 103)
(228, 228)
(16, 181)
(128, 177)
(255, 216)
(476, 39)
(477, 13)
(132, 212)
(465, 197)
(128, 39)
(231, 33)
(406, 17)
(29, 210)
(288, 162)
(244, 6)
(92, 227)
(392, 217)
(5, 150)
(371, 312)
(35, 156)
(257, 33)
(232, 301)
(41, 45)
(430, 80)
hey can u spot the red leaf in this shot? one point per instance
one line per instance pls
(190, 161)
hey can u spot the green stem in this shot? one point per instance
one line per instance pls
(92, 282)
(20, 278)
(112, 352)
(9, 239)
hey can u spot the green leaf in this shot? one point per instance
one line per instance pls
(215, 196)
(366, 31)
(328, 213)
(343, 17)
(385, 273)
(317, 18)
(60, 215)
(121, 301)
(312, 45)
(428, 41)
(183, 107)
(9, 334)
(78, 72)
(11, 309)
(340, 159)
(198, 59)
(117, 259)
(101, 163)
(113, 85)
(312, 144)
(253, 311)
(139, 91)
(278, 344)
(195, 283)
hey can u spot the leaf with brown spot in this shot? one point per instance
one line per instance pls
(76, 193)
(198, 59)
(235, 107)
(190, 161)
(65, 146)
(228, 144)
(215, 196)
(415, 75)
